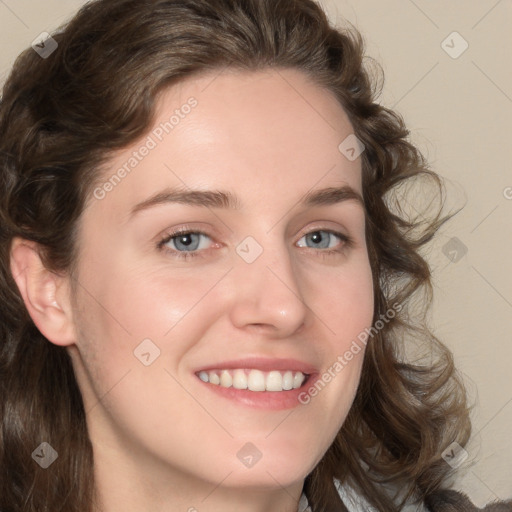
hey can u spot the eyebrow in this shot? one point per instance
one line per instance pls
(227, 200)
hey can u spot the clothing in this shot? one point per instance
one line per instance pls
(355, 503)
(444, 500)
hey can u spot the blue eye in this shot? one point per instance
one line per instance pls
(322, 239)
(185, 243)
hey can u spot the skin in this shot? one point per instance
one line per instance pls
(162, 440)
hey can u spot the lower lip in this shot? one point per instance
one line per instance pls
(269, 400)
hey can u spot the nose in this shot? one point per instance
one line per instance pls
(267, 295)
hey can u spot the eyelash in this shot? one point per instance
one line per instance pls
(348, 242)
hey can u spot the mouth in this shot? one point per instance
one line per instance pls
(258, 382)
(254, 380)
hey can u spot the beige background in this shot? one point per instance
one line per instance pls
(459, 111)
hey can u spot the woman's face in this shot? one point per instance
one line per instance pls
(268, 281)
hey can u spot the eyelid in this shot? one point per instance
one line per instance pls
(346, 240)
(183, 230)
(324, 226)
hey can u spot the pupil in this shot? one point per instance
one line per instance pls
(316, 237)
(186, 240)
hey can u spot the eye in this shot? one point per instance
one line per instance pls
(323, 239)
(185, 243)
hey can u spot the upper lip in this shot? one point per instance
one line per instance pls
(262, 363)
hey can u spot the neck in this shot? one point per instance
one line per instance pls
(132, 487)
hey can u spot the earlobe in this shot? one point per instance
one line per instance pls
(45, 293)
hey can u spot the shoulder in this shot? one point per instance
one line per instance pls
(356, 503)
(448, 500)
(445, 500)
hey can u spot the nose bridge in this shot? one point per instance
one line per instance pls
(268, 289)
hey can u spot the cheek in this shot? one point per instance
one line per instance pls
(343, 300)
(344, 304)
(146, 318)
(120, 313)
(161, 302)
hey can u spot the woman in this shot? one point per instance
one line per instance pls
(205, 282)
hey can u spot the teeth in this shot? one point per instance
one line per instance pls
(254, 380)
(274, 382)
(226, 380)
(213, 378)
(298, 379)
(288, 381)
(239, 379)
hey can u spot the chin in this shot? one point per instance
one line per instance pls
(274, 464)
(270, 476)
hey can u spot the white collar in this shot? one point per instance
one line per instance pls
(352, 501)
(355, 502)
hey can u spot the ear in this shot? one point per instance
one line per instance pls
(46, 295)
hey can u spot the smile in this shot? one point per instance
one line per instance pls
(254, 380)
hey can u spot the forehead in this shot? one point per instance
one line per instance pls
(256, 132)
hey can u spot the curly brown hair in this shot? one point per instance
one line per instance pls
(62, 117)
